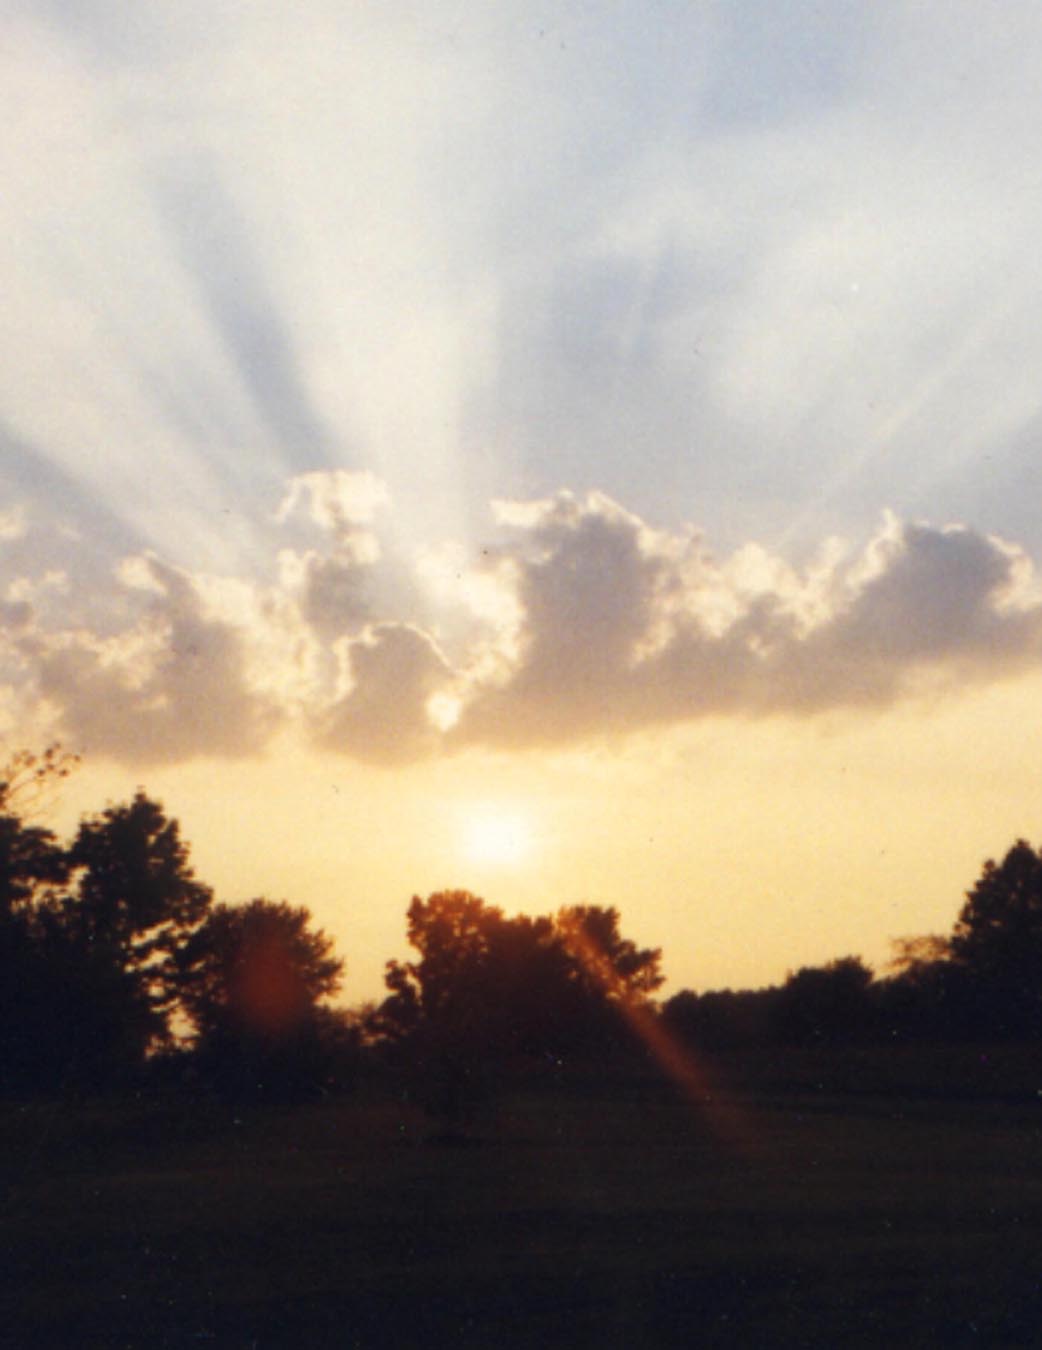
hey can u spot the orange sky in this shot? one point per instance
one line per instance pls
(743, 849)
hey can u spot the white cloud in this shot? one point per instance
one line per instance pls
(622, 627)
(171, 684)
(580, 621)
(13, 523)
(336, 500)
(330, 585)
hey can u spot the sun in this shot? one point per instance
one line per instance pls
(495, 837)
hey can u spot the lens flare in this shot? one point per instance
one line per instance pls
(724, 1117)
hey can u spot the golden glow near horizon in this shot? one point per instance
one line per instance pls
(742, 850)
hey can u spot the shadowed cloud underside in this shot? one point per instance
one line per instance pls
(577, 621)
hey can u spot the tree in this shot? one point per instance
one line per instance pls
(483, 984)
(482, 990)
(252, 980)
(136, 902)
(31, 859)
(260, 965)
(498, 987)
(449, 993)
(721, 1019)
(998, 942)
(605, 961)
(70, 1007)
(822, 1004)
(926, 995)
(32, 864)
(914, 956)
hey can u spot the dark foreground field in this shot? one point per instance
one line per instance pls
(591, 1214)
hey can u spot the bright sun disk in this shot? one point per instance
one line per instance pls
(496, 837)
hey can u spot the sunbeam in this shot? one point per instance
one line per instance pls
(713, 1104)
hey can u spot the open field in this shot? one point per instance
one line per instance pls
(600, 1214)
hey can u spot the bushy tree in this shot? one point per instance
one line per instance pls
(31, 862)
(926, 995)
(108, 944)
(607, 963)
(822, 1004)
(722, 1019)
(451, 932)
(479, 991)
(252, 978)
(487, 985)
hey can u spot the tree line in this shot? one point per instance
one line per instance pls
(115, 960)
(982, 982)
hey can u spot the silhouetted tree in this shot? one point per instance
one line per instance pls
(449, 1010)
(30, 779)
(605, 961)
(136, 901)
(927, 995)
(451, 933)
(722, 1019)
(481, 981)
(31, 859)
(822, 1004)
(32, 864)
(252, 978)
(998, 943)
(486, 992)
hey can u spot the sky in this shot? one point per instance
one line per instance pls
(575, 453)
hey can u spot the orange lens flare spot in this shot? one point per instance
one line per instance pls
(268, 993)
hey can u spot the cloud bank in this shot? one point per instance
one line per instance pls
(576, 621)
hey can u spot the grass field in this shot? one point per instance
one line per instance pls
(600, 1213)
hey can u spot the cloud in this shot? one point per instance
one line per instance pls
(391, 673)
(336, 500)
(329, 589)
(623, 627)
(923, 604)
(170, 664)
(172, 684)
(587, 582)
(580, 621)
(329, 586)
(12, 523)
